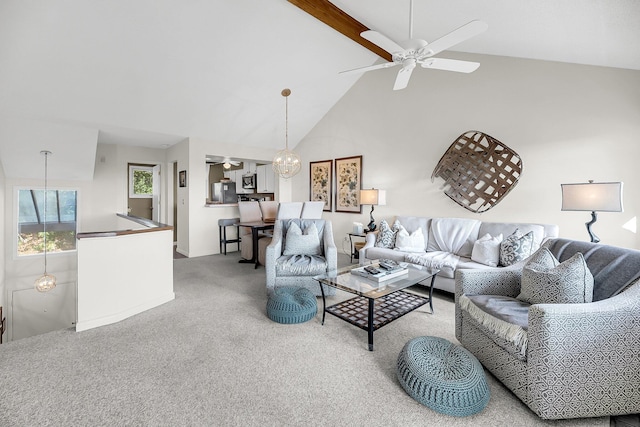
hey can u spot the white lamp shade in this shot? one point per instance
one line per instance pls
(373, 197)
(592, 196)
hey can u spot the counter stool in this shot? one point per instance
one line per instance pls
(222, 225)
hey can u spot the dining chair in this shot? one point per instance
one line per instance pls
(312, 210)
(249, 212)
(287, 210)
(269, 210)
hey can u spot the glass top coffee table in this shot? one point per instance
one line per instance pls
(376, 303)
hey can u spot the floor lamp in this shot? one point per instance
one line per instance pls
(594, 197)
(373, 197)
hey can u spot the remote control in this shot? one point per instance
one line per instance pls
(371, 270)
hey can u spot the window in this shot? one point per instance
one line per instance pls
(140, 182)
(61, 221)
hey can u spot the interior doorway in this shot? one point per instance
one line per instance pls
(175, 202)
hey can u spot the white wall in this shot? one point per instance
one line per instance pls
(2, 239)
(569, 123)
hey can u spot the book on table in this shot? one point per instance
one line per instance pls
(378, 274)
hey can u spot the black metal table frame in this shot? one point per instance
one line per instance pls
(255, 228)
(370, 327)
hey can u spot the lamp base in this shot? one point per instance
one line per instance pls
(372, 224)
(594, 218)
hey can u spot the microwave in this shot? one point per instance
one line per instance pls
(249, 181)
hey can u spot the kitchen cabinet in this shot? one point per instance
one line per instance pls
(266, 179)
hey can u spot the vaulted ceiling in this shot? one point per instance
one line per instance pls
(153, 72)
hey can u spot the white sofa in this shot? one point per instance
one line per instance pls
(451, 239)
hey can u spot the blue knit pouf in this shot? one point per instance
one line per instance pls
(290, 304)
(443, 376)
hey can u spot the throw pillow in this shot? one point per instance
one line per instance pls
(386, 237)
(569, 282)
(406, 242)
(297, 243)
(486, 250)
(515, 247)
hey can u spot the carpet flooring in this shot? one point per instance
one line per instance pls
(212, 357)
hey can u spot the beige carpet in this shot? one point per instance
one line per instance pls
(212, 358)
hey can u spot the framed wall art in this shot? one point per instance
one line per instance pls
(321, 183)
(348, 184)
(182, 178)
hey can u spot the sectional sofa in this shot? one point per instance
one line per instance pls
(446, 242)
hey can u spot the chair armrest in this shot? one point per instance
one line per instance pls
(503, 281)
(369, 242)
(330, 249)
(273, 252)
(599, 339)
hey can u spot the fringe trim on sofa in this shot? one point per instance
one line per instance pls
(508, 331)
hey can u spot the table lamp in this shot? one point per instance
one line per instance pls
(594, 197)
(373, 197)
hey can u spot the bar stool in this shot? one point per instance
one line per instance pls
(222, 225)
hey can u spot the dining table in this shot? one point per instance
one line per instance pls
(256, 227)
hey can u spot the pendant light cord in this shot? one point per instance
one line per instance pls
(44, 210)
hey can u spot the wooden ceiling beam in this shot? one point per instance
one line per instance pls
(327, 12)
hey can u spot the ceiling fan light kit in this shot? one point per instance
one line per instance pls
(418, 51)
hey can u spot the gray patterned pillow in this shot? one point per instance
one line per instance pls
(516, 247)
(386, 237)
(545, 281)
(297, 243)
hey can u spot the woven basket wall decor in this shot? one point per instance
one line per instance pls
(478, 171)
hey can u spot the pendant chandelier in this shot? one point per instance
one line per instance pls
(46, 282)
(286, 163)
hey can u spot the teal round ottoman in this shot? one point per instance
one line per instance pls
(290, 304)
(443, 376)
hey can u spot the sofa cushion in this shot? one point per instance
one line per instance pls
(300, 265)
(385, 253)
(516, 247)
(486, 250)
(386, 237)
(540, 231)
(455, 235)
(412, 223)
(613, 268)
(503, 319)
(545, 281)
(406, 242)
(299, 243)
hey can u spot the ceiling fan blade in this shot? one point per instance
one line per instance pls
(450, 65)
(459, 35)
(369, 68)
(402, 79)
(382, 41)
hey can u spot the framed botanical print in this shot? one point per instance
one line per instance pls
(348, 184)
(321, 183)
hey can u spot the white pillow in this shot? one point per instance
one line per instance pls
(406, 242)
(486, 250)
(297, 243)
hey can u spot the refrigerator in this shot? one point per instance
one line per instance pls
(224, 192)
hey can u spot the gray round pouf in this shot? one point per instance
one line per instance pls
(443, 376)
(290, 304)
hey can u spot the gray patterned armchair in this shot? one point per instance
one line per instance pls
(564, 360)
(287, 264)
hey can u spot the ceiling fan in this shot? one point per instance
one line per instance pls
(227, 162)
(415, 52)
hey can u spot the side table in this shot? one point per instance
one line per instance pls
(351, 244)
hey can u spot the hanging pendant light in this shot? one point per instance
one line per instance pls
(46, 282)
(286, 163)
